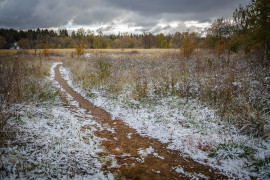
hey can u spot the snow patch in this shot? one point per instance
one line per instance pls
(52, 142)
(188, 127)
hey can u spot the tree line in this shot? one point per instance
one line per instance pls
(247, 30)
(40, 38)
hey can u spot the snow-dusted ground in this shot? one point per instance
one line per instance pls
(51, 144)
(189, 127)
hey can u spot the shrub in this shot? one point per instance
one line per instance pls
(188, 45)
(46, 51)
(79, 49)
(103, 68)
(220, 47)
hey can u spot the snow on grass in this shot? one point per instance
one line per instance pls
(129, 135)
(144, 152)
(160, 157)
(189, 127)
(180, 170)
(51, 142)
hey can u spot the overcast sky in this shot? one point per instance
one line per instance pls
(113, 16)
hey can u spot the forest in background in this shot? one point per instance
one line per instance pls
(247, 30)
(207, 97)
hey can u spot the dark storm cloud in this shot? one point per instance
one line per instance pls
(52, 13)
(153, 7)
(15, 16)
(145, 13)
(183, 10)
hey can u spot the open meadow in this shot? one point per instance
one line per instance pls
(113, 113)
(4, 52)
(137, 90)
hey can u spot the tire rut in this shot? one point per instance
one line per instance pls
(124, 143)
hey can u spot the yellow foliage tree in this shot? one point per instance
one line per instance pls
(46, 51)
(170, 45)
(79, 49)
(188, 44)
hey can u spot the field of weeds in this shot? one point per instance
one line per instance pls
(40, 135)
(214, 109)
(237, 88)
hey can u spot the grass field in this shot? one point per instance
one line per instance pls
(210, 107)
(4, 52)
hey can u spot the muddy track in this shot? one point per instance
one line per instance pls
(124, 143)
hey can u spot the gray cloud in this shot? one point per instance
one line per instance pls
(201, 10)
(51, 13)
(158, 29)
(105, 29)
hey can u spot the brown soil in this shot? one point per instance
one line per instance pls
(125, 148)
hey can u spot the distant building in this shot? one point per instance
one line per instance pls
(15, 46)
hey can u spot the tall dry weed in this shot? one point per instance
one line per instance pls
(20, 78)
(239, 90)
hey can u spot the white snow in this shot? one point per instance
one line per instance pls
(129, 135)
(52, 143)
(86, 55)
(189, 127)
(145, 152)
(160, 157)
(180, 170)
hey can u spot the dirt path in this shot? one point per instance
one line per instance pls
(124, 145)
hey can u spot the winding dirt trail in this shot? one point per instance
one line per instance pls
(125, 142)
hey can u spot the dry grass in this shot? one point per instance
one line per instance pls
(21, 79)
(237, 89)
(4, 52)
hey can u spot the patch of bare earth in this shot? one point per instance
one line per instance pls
(126, 145)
